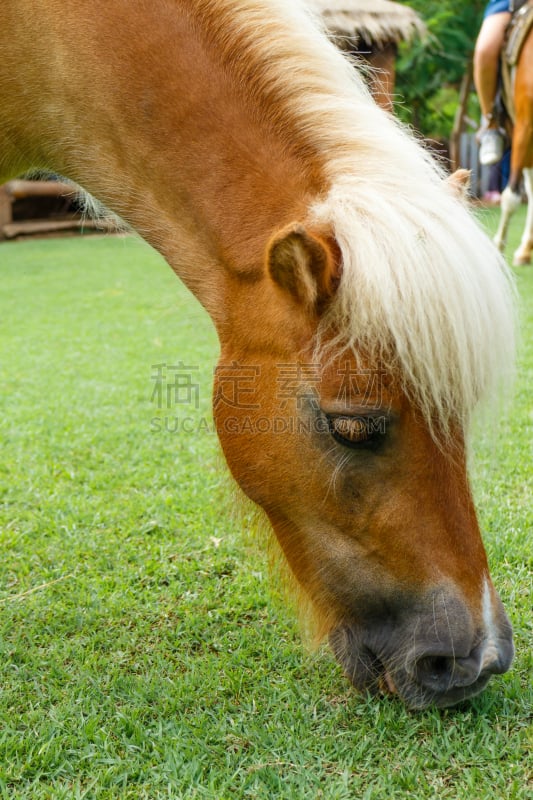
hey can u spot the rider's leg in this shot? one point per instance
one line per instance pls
(486, 58)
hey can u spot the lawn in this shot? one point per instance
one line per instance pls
(144, 651)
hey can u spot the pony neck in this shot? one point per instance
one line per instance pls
(154, 127)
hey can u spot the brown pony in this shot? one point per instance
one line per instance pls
(521, 112)
(361, 311)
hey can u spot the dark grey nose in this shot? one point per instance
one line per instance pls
(451, 658)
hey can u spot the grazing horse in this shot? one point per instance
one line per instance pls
(521, 112)
(361, 311)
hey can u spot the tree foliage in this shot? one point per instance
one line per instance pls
(429, 72)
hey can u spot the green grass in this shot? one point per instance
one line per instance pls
(143, 652)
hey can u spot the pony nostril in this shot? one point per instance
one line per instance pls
(434, 670)
(441, 673)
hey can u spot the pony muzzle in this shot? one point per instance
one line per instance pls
(433, 658)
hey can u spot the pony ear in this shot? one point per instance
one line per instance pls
(459, 183)
(304, 264)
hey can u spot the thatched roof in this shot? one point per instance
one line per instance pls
(375, 22)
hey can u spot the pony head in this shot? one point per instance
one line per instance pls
(345, 418)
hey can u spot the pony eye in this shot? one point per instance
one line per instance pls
(350, 431)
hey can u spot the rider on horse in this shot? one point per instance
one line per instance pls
(486, 65)
(486, 73)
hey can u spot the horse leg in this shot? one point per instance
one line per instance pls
(523, 254)
(522, 148)
(509, 203)
(511, 196)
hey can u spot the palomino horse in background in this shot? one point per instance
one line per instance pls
(360, 309)
(521, 156)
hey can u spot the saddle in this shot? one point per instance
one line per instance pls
(517, 33)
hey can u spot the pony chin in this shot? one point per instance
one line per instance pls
(360, 666)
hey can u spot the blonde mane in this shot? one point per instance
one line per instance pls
(422, 286)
